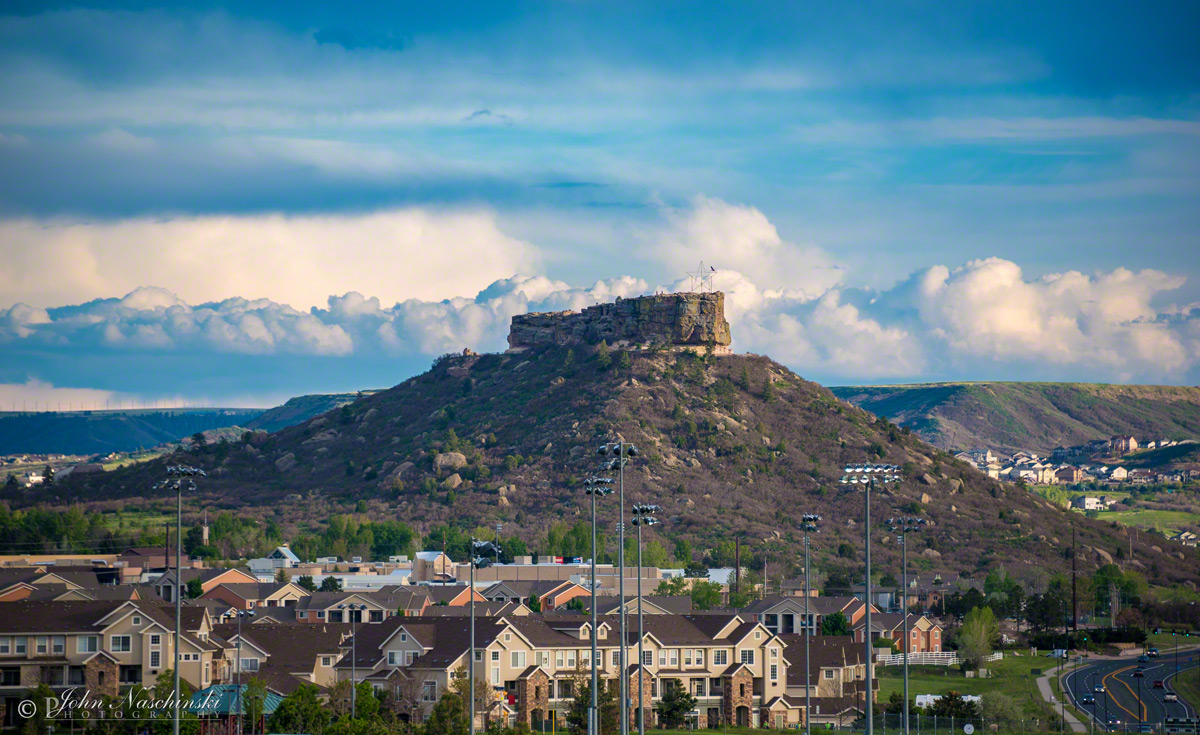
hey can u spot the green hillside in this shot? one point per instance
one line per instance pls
(732, 447)
(302, 408)
(1035, 416)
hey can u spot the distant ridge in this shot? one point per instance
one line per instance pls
(101, 432)
(1011, 416)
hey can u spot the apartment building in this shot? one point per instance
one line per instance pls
(787, 614)
(336, 607)
(733, 665)
(102, 645)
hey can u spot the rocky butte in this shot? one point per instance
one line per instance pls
(677, 320)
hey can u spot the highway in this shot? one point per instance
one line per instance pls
(1122, 703)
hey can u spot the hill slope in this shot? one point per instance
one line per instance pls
(302, 408)
(723, 453)
(99, 432)
(1035, 416)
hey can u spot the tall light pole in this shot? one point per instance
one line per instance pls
(240, 614)
(642, 517)
(903, 527)
(808, 524)
(868, 475)
(176, 478)
(621, 452)
(478, 561)
(350, 610)
(594, 486)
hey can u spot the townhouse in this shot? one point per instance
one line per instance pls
(164, 585)
(247, 596)
(924, 634)
(102, 645)
(732, 664)
(284, 656)
(786, 614)
(835, 680)
(551, 594)
(372, 607)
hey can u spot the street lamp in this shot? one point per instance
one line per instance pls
(478, 561)
(808, 524)
(176, 479)
(904, 526)
(595, 486)
(351, 609)
(642, 517)
(868, 475)
(621, 452)
(238, 684)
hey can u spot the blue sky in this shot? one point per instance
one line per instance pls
(891, 191)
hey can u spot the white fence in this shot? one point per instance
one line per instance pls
(948, 658)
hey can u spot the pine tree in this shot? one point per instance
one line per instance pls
(675, 704)
(768, 391)
(603, 356)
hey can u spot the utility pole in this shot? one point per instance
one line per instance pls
(1074, 586)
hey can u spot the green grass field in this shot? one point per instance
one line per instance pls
(1012, 676)
(1158, 520)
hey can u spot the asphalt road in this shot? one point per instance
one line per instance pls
(1125, 705)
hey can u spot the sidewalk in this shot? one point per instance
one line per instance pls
(1043, 684)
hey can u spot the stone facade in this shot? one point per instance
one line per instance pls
(100, 676)
(737, 690)
(668, 320)
(533, 693)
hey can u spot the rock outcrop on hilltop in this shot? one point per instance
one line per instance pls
(665, 320)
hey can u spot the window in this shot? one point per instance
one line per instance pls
(518, 659)
(121, 643)
(699, 656)
(19, 645)
(83, 644)
(137, 620)
(598, 662)
(429, 691)
(570, 659)
(249, 664)
(377, 616)
(616, 658)
(662, 657)
(495, 676)
(155, 640)
(687, 657)
(479, 655)
(774, 672)
(720, 658)
(155, 659)
(43, 644)
(58, 644)
(774, 653)
(828, 673)
(5, 644)
(408, 658)
(394, 658)
(327, 660)
(647, 658)
(403, 637)
(748, 657)
(495, 655)
(758, 635)
(207, 673)
(320, 614)
(674, 657)
(507, 637)
(545, 658)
